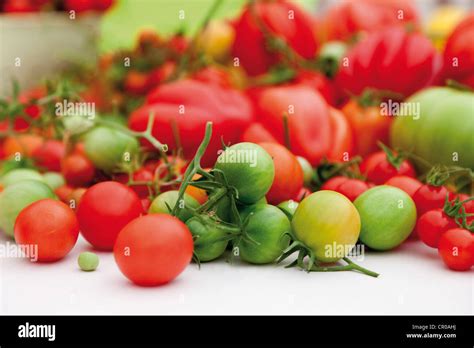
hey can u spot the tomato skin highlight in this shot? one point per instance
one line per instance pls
(325, 221)
(405, 183)
(388, 216)
(432, 224)
(288, 179)
(104, 210)
(456, 248)
(429, 197)
(49, 224)
(153, 249)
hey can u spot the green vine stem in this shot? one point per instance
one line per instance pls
(351, 266)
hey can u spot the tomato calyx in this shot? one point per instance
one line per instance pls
(395, 159)
(327, 170)
(312, 265)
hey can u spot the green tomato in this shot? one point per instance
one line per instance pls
(443, 133)
(208, 245)
(249, 168)
(88, 261)
(169, 198)
(20, 174)
(289, 208)
(388, 216)
(17, 196)
(108, 148)
(328, 224)
(307, 170)
(267, 226)
(54, 180)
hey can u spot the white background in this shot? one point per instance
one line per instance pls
(413, 281)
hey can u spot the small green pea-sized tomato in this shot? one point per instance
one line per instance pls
(107, 148)
(249, 168)
(328, 224)
(88, 261)
(15, 197)
(20, 174)
(266, 231)
(388, 216)
(153, 249)
(104, 209)
(169, 198)
(208, 242)
(288, 207)
(50, 225)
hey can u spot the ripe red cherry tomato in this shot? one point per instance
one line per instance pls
(432, 224)
(49, 224)
(405, 183)
(49, 155)
(429, 197)
(456, 248)
(352, 188)
(141, 175)
(288, 179)
(378, 169)
(104, 210)
(153, 249)
(79, 5)
(77, 169)
(333, 183)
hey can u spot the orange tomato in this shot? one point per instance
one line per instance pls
(368, 125)
(198, 194)
(342, 138)
(25, 144)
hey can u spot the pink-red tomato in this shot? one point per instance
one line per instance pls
(49, 224)
(153, 249)
(104, 210)
(378, 168)
(333, 183)
(405, 183)
(429, 197)
(432, 224)
(456, 248)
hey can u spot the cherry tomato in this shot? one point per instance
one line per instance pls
(24, 144)
(378, 169)
(79, 5)
(333, 183)
(77, 169)
(75, 197)
(49, 224)
(456, 248)
(136, 83)
(288, 179)
(104, 210)
(142, 175)
(432, 224)
(352, 188)
(145, 204)
(304, 192)
(406, 183)
(429, 197)
(153, 249)
(342, 138)
(63, 193)
(49, 155)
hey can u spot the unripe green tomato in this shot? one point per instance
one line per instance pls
(169, 198)
(207, 246)
(388, 216)
(20, 174)
(54, 180)
(88, 261)
(288, 207)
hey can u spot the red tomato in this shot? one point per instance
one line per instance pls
(145, 204)
(75, 197)
(49, 224)
(432, 224)
(160, 74)
(153, 249)
(23, 144)
(136, 83)
(140, 175)
(405, 183)
(342, 139)
(456, 248)
(392, 60)
(250, 44)
(429, 197)
(104, 210)
(459, 53)
(352, 188)
(346, 19)
(256, 133)
(378, 168)
(304, 192)
(368, 126)
(63, 193)
(333, 183)
(79, 5)
(19, 6)
(49, 155)
(77, 169)
(288, 179)
(103, 5)
(318, 82)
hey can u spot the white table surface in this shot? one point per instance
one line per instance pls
(413, 281)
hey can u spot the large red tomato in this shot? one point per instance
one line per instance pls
(392, 60)
(104, 210)
(153, 249)
(459, 53)
(281, 19)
